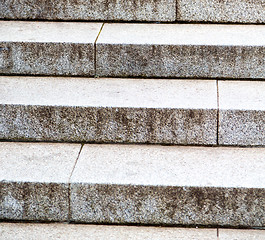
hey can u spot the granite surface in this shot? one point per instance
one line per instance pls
(93, 232)
(181, 50)
(32, 183)
(65, 109)
(130, 10)
(47, 48)
(242, 113)
(241, 11)
(168, 185)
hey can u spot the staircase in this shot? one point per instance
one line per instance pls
(129, 115)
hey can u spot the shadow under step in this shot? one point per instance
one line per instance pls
(130, 184)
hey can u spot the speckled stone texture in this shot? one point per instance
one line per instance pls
(65, 109)
(181, 50)
(10, 231)
(242, 113)
(168, 185)
(241, 11)
(47, 48)
(241, 234)
(130, 10)
(34, 180)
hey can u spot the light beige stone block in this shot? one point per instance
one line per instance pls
(47, 48)
(242, 113)
(109, 110)
(129, 184)
(241, 234)
(34, 180)
(10, 231)
(181, 50)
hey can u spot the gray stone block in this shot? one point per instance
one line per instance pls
(130, 10)
(65, 109)
(32, 183)
(181, 50)
(168, 186)
(242, 113)
(241, 11)
(46, 48)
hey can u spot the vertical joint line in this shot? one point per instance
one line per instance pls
(217, 233)
(218, 113)
(69, 183)
(95, 50)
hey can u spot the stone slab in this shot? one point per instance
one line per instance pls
(47, 48)
(236, 11)
(242, 234)
(34, 180)
(181, 50)
(130, 10)
(21, 231)
(109, 110)
(242, 113)
(130, 184)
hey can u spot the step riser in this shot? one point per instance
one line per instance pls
(180, 61)
(166, 205)
(241, 11)
(132, 61)
(47, 59)
(119, 125)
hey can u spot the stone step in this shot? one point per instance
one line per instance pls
(132, 184)
(11, 231)
(181, 50)
(241, 11)
(48, 48)
(133, 50)
(158, 111)
(42, 231)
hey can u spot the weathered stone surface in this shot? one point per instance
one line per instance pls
(47, 48)
(243, 11)
(169, 185)
(181, 50)
(242, 113)
(241, 234)
(33, 185)
(65, 109)
(130, 10)
(92, 232)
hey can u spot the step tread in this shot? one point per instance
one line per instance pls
(182, 34)
(243, 95)
(71, 231)
(171, 166)
(130, 184)
(49, 32)
(129, 93)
